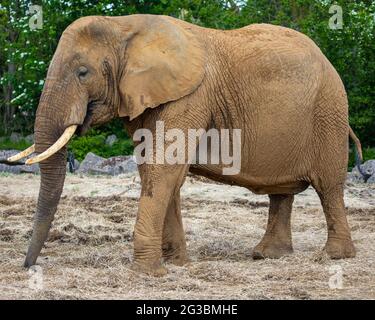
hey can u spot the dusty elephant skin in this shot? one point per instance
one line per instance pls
(271, 82)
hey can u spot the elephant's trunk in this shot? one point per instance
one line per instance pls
(49, 126)
(53, 173)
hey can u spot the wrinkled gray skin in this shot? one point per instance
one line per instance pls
(271, 82)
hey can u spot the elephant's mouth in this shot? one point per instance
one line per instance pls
(85, 126)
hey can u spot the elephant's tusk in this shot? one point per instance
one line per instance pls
(61, 142)
(22, 154)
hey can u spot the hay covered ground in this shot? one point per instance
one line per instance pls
(89, 251)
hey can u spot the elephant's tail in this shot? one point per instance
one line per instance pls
(358, 154)
(357, 143)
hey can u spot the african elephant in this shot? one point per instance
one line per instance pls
(271, 82)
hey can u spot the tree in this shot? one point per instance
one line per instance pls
(25, 54)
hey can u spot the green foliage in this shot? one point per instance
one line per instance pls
(25, 54)
(94, 141)
(6, 144)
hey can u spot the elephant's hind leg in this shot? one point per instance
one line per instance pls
(277, 240)
(339, 243)
(174, 243)
(331, 163)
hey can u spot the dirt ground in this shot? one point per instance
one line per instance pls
(89, 251)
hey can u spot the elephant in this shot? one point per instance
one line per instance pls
(271, 82)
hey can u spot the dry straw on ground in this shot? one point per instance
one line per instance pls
(89, 251)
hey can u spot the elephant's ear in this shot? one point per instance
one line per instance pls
(164, 62)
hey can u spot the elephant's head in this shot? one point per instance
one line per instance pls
(106, 67)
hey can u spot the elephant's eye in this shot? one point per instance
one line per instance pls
(82, 72)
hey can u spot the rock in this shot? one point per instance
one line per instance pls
(34, 168)
(30, 138)
(119, 165)
(15, 137)
(93, 164)
(10, 169)
(371, 179)
(19, 166)
(111, 140)
(368, 167)
(90, 162)
(5, 154)
(355, 176)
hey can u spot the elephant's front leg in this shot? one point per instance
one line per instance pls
(160, 184)
(174, 243)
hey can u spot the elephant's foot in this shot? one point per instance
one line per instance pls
(28, 263)
(272, 250)
(176, 255)
(155, 268)
(339, 248)
(177, 260)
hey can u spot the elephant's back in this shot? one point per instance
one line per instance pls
(266, 39)
(263, 32)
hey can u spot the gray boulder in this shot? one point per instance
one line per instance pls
(29, 138)
(93, 164)
(355, 177)
(111, 140)
(368, 168)
(34, 168)
(5, 154)
(19, 166)
(119, 165)
(15, 137)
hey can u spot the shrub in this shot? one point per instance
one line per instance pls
(6, 144)
(94, 141)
